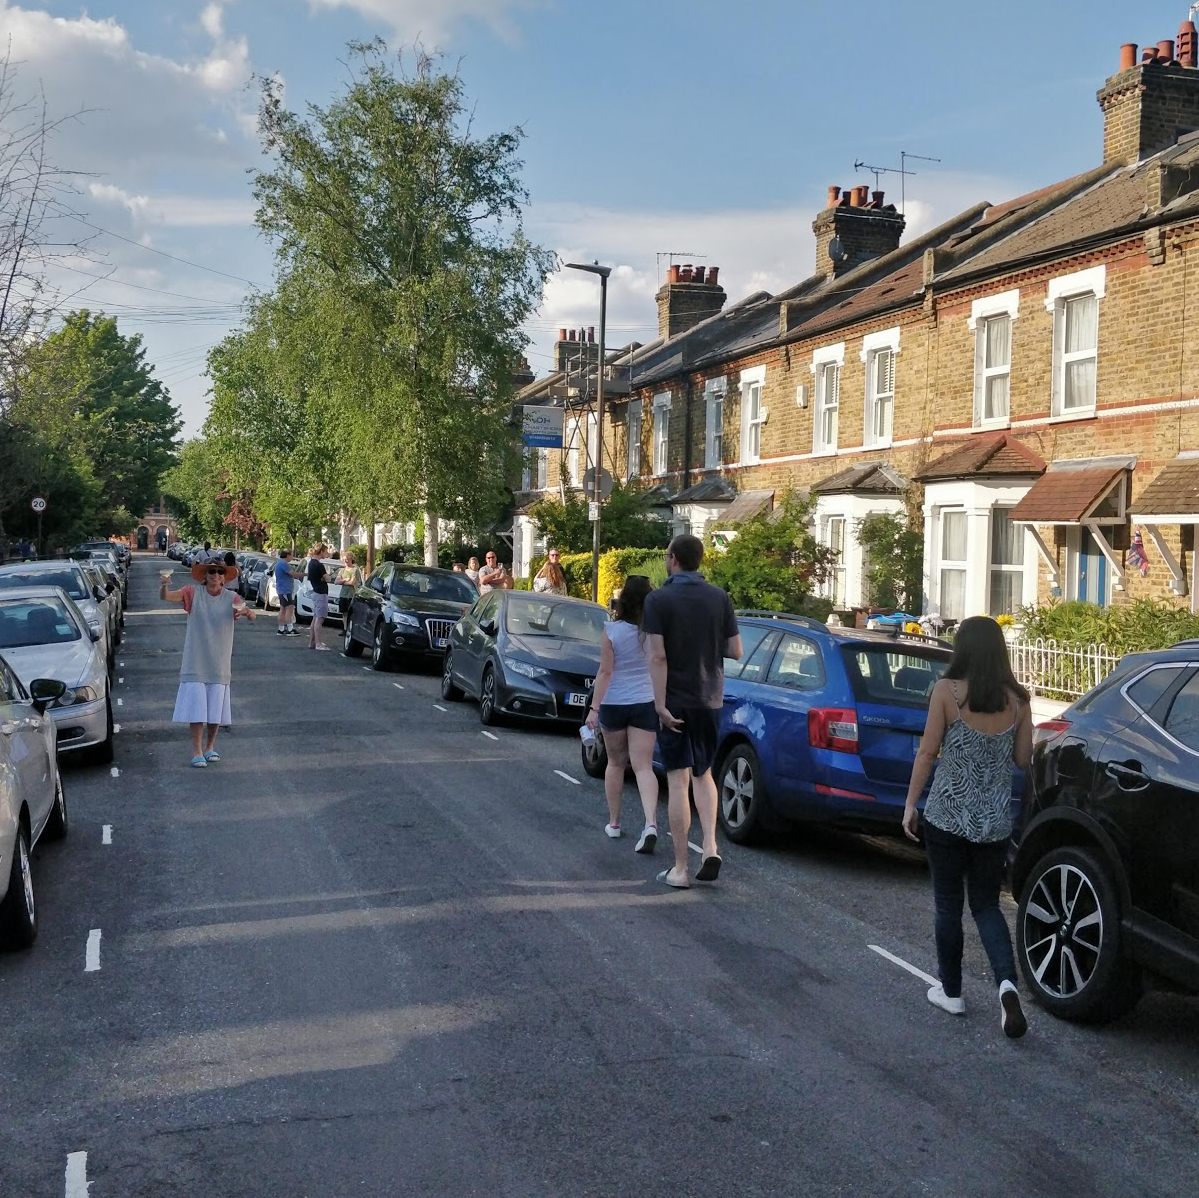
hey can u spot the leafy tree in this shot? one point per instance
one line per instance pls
(626, 522)
(894, 572)
(192, 488)
(774, 562)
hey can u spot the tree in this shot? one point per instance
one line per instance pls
(894, 572)
(193, 487)
(406, 231)
(774, 562)
(626, 523)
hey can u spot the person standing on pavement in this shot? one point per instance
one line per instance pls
(201, 556)
(493, 576)
(979, 723)
(551, 578)
(285, 590)
(202, 701)
(691, 629)
(472, 570)
(318, 578)
(622, 706)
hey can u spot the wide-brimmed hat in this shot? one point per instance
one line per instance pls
(200, 569)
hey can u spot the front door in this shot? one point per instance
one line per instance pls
(1092, 570)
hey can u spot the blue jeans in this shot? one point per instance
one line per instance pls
(958, 865)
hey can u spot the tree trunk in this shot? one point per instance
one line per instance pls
(370, 543)
(431, 542)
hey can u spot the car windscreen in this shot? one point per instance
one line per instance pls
(70, 579)
(432, 586)
(896, 675)
(26, 622)
(542, 617)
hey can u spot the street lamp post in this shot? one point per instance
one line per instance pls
(595, 268)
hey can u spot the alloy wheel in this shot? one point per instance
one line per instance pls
(26, 878)
(487, 696)
(737, 791)
(1063, 930)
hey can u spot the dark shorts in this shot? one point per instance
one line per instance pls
(616, 717)
(694, 747)
(286, 599)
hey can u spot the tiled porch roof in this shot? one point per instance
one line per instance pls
(711, 490)
(747, 505)
(1174, 492)
(1066, 496)
(871, 478)
(1000, 455)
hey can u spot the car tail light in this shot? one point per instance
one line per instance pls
(1048, 730)
(833, 728)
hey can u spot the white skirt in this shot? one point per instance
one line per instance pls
(202, 703)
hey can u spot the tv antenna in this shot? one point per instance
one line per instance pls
(671, 255)
(901, 170)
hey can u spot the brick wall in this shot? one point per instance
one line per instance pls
(1145, 108)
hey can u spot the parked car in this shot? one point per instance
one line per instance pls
(108, 596)
(337, 592)
(250, 579)
(525, 654)
(73, 578)
(32, 803)
(404, 612)
(1106, 872)
(44, 635)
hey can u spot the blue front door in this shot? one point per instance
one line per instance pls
(1092, 569)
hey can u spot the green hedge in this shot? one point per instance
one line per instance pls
(1123, 628)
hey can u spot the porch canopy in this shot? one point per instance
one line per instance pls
(1171, 498)
(871, 478)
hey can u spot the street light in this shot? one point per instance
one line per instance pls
(594, 268)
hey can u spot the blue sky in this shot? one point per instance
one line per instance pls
(708, 128)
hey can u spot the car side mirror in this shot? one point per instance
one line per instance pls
(376, 584)
(94, 633)
(488, 627)
(44, 691)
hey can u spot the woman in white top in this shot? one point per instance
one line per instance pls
(551, 579)
(622, 706)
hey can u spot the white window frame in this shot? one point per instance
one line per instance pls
(828, 356)
(592, 443)
(835, 587)
(1080, 283)
(958, 566)
(1015, 569)
(714, 393)
(633, 437)
(879, 421)
(661, 432)
(572, 450)
(753, 414)
(992, 307)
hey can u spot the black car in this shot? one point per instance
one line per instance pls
(405, 612)
(252, 567)
(525, 654)
(1106, 871)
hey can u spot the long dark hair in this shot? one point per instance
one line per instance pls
(632, 598)
(980, 657)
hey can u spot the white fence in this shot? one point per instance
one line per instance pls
(1060, 671)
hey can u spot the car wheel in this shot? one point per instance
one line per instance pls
(450, 691)
(57, 824)
(101, 754)
(1068, 939)
(18, 912)
(379, 647)
(488, 715)
(349, 645)
(742, 795)
(595, 756)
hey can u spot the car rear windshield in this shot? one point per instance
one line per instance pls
(541, 617)
(894, 675)
(26, 622)
(71, 580)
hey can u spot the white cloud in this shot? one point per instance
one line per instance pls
(178, 210)
(430, 21)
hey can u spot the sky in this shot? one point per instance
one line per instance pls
(694, 131)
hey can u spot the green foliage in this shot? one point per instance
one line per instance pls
(1124, 628)
(447, 553)
(894, 572)
(774, 561)
(626, 522)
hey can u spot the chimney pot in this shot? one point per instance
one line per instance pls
(700, 271)
(572, 335)
(877, 197)
(685, 273)
(1148, 55)
(1188, 44)
(673, 274)
(1128, 55)
(1165, 50)
(591, 332)
(833, 195)
(713, 271)
(855, 197)
(561, 334)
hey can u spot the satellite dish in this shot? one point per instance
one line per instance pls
(836, 251)
(589, 483)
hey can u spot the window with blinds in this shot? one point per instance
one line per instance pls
(828, 402)
(880, 397)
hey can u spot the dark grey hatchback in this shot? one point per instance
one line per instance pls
(527, 655)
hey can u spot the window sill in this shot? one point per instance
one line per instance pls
(877, 444)
(1067, 417)
(824, 453)
(990, 426)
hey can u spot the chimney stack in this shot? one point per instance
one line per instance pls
(573, 349)
(690, 294)
(1148, 105)
(855, 227)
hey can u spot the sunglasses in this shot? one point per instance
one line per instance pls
(216, 570)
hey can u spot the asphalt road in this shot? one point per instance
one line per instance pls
(376, 951)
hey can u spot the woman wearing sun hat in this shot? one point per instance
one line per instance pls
(203, 697)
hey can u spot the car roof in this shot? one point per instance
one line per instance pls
(875, 636)
(49, 563)
(546, 597)
(44, 592)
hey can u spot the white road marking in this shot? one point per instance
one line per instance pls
(882, 952)
(116, 773)
(121, 678)
(440, 708)
(367, 669)
(563, 774)
(106, 834)
(121, 664)
(76, 1175)
(491, 735)
(120, 702)
(695, 848)
(92, 959)
(116, 727)
(397, 686)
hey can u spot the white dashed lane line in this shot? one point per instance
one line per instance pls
(91, 963)
(76, 1175)
(398, 686)
(120, 702)
(882, 952)
(489, 735)
(440, 708)
(121, 679)
(563, 774)
(116, 773)
(116, 727)
(106, 834)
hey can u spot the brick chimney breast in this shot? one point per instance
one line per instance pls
(860, 231)
(1149, 105)
(688, 296)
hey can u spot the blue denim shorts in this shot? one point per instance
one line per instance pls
(616, 717)
(693, 747)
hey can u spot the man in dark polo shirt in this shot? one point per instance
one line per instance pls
(691, 629)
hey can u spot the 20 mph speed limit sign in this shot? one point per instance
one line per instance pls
(38, 504)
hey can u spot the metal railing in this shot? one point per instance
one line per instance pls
(1056, 671)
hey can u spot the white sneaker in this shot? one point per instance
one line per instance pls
(938, 997)
(1011, 1013)
(648, 840)
(613, 830)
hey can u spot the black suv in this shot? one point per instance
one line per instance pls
(1106, 871)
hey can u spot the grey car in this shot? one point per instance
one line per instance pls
(72, 576)
(44, 635)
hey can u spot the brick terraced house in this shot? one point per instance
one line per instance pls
(1023, 379)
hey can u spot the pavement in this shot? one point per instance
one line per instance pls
(381, 950)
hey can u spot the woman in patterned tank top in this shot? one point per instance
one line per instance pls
(979, 725)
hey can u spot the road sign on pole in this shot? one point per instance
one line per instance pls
(38, 504)
(593, 512)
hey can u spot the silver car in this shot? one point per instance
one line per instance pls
(72, 576)
(44, 635)
(32, 804)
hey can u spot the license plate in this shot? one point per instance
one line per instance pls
(576, 700)
(440, 642)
